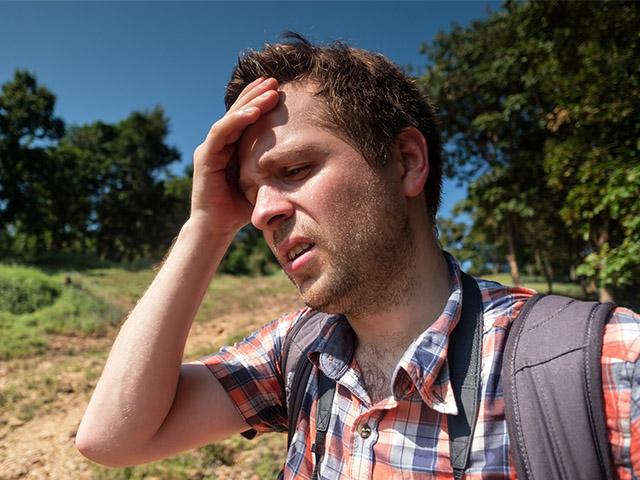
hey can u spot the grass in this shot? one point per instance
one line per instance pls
(228, 294)
(28, 392)
(37, 302)
(264, 456)
(41, 306)
(25, 290)
(539, 285)
(52, 307)
(34, 304)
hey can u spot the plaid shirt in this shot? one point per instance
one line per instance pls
(405, 435)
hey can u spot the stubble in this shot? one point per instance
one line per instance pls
(367, 261)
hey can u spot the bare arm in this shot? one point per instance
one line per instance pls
(147, 405)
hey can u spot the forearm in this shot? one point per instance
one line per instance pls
(138, 384)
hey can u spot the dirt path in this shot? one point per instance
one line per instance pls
(42, 399)
(44, 447)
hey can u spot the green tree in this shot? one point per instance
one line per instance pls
(132, 189)
(591, 77)
(26, 112)
(539, 106)
(489, 109)
(27, 126)
(249, 255)
(479, 254)
(100, 189)
(131, 194)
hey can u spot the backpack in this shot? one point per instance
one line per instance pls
(553, 395)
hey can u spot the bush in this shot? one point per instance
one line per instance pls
(236, 262)
(25, 290)
(33, 304)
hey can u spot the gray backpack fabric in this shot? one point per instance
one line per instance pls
(552, 383)
(553, 395)
(464, 357)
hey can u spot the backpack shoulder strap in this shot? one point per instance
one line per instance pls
(464, 357)
(295, 345)
(464, 362)
(326, 392)
(553, 389)
(295, 366)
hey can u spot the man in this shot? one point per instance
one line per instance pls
(333, 153)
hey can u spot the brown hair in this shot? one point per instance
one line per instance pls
(366, 98)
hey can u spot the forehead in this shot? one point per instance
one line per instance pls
(291, 125)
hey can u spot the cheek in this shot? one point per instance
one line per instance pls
(324, 194)
(334, 197)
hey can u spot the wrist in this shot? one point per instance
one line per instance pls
(201, 226)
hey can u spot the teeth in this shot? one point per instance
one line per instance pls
(297, 250)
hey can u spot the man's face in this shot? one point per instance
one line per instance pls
(338, 227)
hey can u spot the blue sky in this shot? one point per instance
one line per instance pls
(106, 59)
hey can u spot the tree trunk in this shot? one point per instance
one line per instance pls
(605, 294)
(599, 239)
(589, 288)
(538, 258)
(542, 263)
(548, 271)
(542, 268)
(512, 256)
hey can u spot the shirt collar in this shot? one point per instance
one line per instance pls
(333, 350)
(423, 368)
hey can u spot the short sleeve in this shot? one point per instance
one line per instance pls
(621, 389)
(250, 373)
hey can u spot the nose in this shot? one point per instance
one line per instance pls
(271, 209)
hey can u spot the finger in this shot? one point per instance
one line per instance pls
(216, 138)
(264, 103)
(249, 94)
(228, 129)
(250, 86)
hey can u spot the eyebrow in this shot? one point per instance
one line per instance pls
(273, 158)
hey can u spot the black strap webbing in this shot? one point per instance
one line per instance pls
(298, 388)
(465, 350)
(326, 391)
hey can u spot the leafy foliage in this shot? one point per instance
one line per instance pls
(540, 112)
(249, 255)
(98, 190)
(33, 304)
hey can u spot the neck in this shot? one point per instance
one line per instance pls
(396, 325)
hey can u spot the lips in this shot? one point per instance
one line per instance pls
(295, 252)
(298, 250)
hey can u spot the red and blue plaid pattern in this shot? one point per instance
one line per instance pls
(405, 435)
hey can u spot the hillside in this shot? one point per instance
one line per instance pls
(57, 328)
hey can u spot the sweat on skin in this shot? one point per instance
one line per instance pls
(371, 244)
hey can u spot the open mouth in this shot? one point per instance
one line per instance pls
(298, 251)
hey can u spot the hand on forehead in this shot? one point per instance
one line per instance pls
(295, 103)
(283, 129)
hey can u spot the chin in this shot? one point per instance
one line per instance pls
(313, 294)
(322, 306)
(325, 298)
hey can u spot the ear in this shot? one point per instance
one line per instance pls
(414, 160)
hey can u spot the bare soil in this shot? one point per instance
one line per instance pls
(42, 399)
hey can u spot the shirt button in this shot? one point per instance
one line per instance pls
(365, 431)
